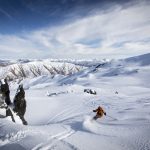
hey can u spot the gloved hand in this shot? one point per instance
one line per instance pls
(94, 110)
(105, 113)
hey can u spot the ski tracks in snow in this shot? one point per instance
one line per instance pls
(60, 115)
(66, 114)
(12, 137)
(57, 140)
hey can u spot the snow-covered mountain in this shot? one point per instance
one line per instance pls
(142, 59)
(59, 112)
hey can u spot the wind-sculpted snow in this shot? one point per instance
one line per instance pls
(60, 114)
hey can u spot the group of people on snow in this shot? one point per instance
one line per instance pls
(19, 103)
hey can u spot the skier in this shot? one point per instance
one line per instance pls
(99, 113)
(20, 104)
(5, 91)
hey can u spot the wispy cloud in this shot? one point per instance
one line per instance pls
(117, 32)
(6, 13)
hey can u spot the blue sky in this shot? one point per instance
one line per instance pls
(74, 28)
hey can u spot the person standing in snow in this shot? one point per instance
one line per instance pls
(99, 113)
(5, 91)
(20, 104)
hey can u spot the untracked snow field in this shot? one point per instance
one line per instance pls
(59, 112)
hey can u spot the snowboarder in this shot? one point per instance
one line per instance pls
(20, 103)
(99, 113)
(5, 91)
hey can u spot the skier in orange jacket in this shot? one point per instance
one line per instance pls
(99, 113)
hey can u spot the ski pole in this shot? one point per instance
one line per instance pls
(111, 117)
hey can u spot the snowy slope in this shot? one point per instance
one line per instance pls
(64, 120)
(142, 59)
